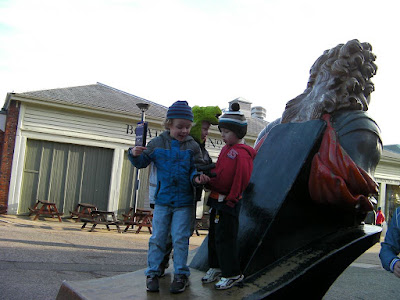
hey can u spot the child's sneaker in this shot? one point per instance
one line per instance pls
(152, 284)
(211, 275)
(227, 283)
(179, 284)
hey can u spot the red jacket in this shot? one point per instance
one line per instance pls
(233, 169)
(380, 218)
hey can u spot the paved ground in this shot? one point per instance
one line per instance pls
(37, 256)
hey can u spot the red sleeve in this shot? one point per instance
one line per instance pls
(244, 167)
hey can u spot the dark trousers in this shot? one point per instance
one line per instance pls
(222, 243)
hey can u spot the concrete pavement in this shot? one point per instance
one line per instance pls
(37, 256)
(366, 279)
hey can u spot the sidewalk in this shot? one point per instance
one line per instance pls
(37, 256)
(366, 279)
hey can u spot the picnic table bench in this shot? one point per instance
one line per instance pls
(101, 217)
(3, 209)
(82, 210)
(45, 208)
(140, 218)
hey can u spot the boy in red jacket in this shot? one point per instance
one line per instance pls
(233, 169)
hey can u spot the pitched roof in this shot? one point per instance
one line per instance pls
(106, 98)
(255, 125)
(393, 148)
(99, 96)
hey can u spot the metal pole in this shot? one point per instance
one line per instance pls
(137, 173)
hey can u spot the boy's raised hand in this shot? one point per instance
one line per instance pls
(202, 179)
(137, 150)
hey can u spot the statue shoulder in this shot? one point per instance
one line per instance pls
(359, 135)
(348, 121)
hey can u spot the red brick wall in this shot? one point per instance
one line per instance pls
(7, 150)
(1, 142)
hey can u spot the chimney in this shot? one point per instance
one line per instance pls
(258, 112)
(245, 106)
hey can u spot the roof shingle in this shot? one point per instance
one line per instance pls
(103, 97)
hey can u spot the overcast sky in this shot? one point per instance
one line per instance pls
(207, 52)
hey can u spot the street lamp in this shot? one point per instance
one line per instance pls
(143, 108)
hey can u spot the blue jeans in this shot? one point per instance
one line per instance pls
(177, 221)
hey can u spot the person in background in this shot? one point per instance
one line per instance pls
(152, 184)
(204, 117)
(174, 154)
(380, 217)
(233, 170)
(390, 248)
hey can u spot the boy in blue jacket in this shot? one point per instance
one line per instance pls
(174, 154)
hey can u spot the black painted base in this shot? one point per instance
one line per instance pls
(310, 271)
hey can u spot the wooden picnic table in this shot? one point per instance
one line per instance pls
(83, 210)
(45, 208)
(3, 209)
(140, 218)
(101, 217)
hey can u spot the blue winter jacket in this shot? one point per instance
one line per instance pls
(175, 163)
(391, 246)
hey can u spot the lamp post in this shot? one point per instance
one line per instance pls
(143, 108)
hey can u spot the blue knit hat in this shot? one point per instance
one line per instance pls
(180, 110)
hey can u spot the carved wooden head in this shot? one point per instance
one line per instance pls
(339, 79)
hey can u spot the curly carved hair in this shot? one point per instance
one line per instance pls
(346, 69)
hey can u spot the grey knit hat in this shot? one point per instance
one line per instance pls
(234, 120)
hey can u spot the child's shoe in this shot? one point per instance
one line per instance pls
(227, 283)
(152, 283)
(179, 284)
(211, 275)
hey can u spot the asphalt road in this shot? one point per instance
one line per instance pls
(37, 256)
